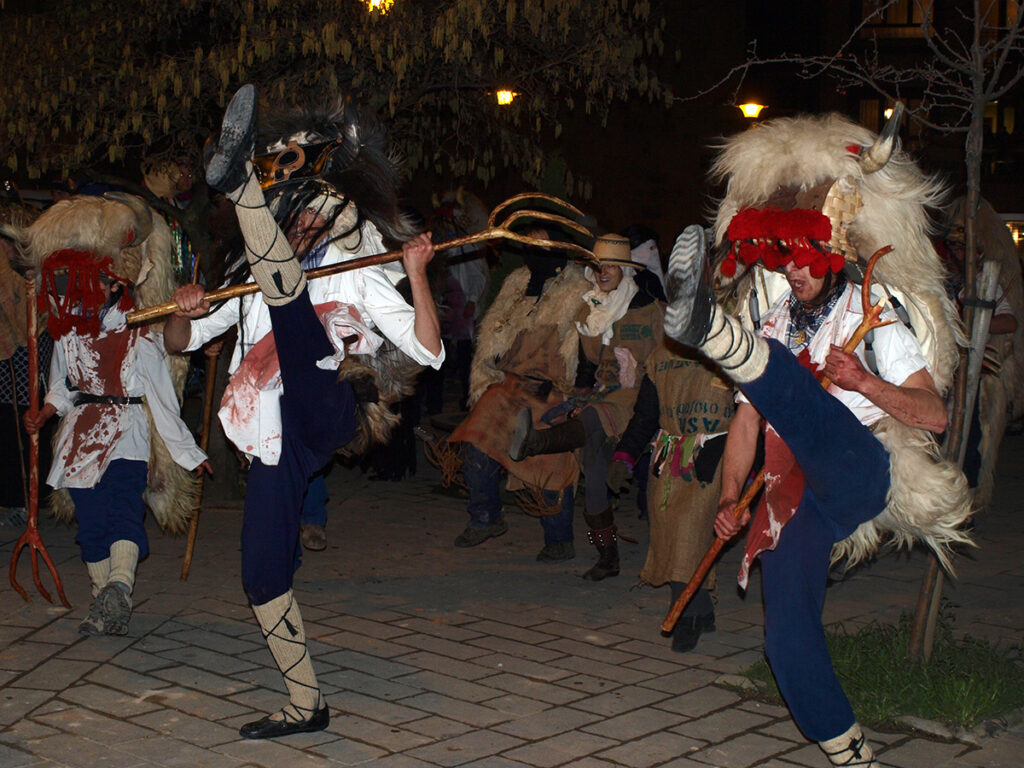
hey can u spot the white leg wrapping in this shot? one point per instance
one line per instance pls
(274, 266)
(740, 353)
(849, 749)
(124, 558)
(282, 627)
(99, 575)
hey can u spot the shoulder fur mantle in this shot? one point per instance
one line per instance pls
(511, 313)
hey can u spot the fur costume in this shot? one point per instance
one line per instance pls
(101, 226)
(873, 199)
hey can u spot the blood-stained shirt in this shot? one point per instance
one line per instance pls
(371, 300)
(120, 362)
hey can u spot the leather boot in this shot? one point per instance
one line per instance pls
(527, 441)
(602, 535)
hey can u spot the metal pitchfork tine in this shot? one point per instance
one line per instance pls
(31, 537)
(494, 231)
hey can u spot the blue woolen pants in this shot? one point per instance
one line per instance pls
(847, 479)
(317, 417)
(112, 510)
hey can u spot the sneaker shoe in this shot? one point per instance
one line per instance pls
(92, 624)
(555, 553)
(115, 604)
(225, 169)
(691, 300)
(314, 537)
(473, 536)
(688, 631)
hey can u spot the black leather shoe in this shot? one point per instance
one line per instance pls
(688, 631)
(691, 300)
(555, 553)
(272, 729)
(225, 169)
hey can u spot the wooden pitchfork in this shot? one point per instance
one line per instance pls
(31, 537)
(494, 231)
(870, 321)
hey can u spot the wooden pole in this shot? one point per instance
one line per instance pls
(204, 443)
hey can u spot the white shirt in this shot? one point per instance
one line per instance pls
(369, 290)
(897, 351)
(143, 373)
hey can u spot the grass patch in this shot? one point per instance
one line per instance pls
(966, 681)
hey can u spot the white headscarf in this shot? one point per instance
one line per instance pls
(647, 254)
(606, 308)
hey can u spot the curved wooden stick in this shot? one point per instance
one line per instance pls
(204, 443)
(870, 321)
(31, 537)
(491, 233)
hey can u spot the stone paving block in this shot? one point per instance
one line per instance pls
(15, 703)
(681, 682)
(586, 650)
(583, 666)
(764, 708)
(388, 737)
(749, 749)
(24, 655)
(25, 730)
(589, 762)
(126, 680)
(922, 754)
(269, 753)
(93, 725)
(784, 728)
(657, 667)
(55, 674)
(62, 631)
(16, 758)
(722, 725)
(653, 749)
(361, 626)
(351, 680)
(525, 667)
(108, 700)
(173, 753)
(495, 761)
(507, 647)
(139, 661)
(630, 725)
(456, 709)
(196, 703)
(701, 701)
(211, 661)
(535, 689)
(734, 664)
(214, 641)
(366, 663)
(348, 752)
(354, 641)
(490, 629)
(451, 632)
(465, 748)
(401, 761)
(438, 728)
(590, 636)
(201, 680)
(67, 749)
(591, 685)
(448, 686)
(559, 749)
(620, 700)
(187, 728)
(445, 665)
(375, 709)
(154, 643)
(266, 677)
(548, 723)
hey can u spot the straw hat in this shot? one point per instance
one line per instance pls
(614, 249)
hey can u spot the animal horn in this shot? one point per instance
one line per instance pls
(141, 213)
(878, 154)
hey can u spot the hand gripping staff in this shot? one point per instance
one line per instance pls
(494, 231)
(870, 321)
(31, 537)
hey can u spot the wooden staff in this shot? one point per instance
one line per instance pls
(204, 443)
(31, 537)
(870, 321)
(493, 232)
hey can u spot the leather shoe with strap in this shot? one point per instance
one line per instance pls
(268, 728)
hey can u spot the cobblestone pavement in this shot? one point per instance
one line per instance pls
(436, 656)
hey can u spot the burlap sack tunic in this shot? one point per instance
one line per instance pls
(694, 402)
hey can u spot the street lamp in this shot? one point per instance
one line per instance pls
(379, 5)
(751, 110)
(505, 96)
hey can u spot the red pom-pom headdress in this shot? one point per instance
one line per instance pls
(776, 237)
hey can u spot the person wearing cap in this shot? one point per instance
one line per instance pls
(622, 327)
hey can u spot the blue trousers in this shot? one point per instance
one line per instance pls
(112, 510)
(483, 477)
(317, 417)
(847, 479)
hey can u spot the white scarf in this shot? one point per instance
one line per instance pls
(606, 308)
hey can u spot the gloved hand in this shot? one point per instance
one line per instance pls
(619, 475)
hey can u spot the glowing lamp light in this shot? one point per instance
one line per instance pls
(751, 110)
(379, 5)
(505, 96)
(888, 113)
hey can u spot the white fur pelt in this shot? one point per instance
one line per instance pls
(100, 225)
(928, 498)
(513, 312)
